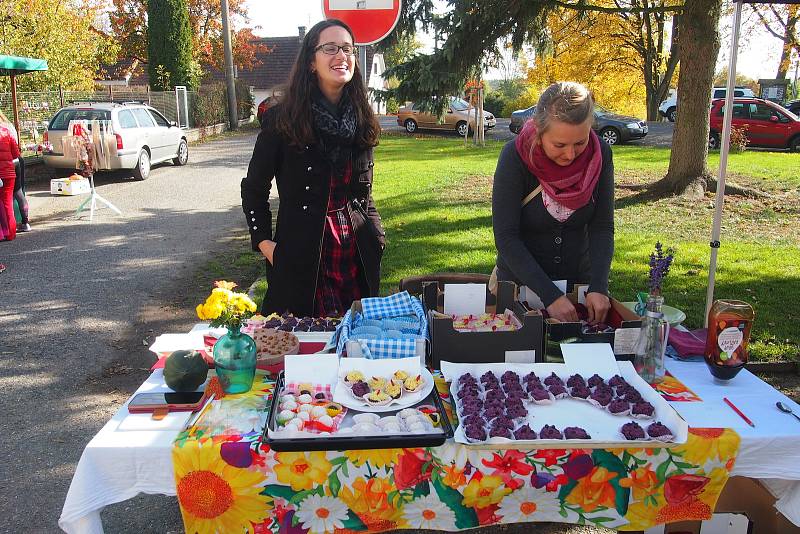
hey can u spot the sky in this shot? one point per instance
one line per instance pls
(758, 57)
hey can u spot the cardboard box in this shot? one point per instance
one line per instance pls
(482, 347)
(625, 322)
(63, 186)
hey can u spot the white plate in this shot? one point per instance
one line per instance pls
(343, 396)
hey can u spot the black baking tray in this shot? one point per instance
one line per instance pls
(345, 443)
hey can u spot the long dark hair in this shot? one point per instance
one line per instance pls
(295, 120)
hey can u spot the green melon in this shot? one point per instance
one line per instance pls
(185, 370)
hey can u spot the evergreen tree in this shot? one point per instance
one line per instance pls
(169, 44)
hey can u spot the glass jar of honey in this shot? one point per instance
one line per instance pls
(729, 324)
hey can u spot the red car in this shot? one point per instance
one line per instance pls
(768, 124)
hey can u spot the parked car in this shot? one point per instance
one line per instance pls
(460, 116)
(767, 123)
(669, 107)
(793, 106)
(144, 136)
(611, 127)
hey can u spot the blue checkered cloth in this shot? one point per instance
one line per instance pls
(395, 306)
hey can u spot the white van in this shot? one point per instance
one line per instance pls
(669, 107)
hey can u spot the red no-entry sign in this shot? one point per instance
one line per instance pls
(370, 20)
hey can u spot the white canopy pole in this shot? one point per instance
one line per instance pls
(723, 158)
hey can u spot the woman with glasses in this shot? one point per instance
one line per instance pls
(324, 250)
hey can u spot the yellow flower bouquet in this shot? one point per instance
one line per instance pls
(225, 307)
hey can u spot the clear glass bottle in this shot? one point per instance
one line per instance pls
(652, 342)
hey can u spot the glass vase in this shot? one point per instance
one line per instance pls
(652, 342)
(235, 361)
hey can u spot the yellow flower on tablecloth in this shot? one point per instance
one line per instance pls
(642, 515)
(706, 444)
(375, 457)
(301, 472)
(369, 501)
(454, 477)
(642, 482)
(429, 513)
(215, 496)
(593, 490)
(530, 504)
(485, 491)
(718, 478)
(321, 514)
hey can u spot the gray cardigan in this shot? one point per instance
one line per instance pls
(533, 248)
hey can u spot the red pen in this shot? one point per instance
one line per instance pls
(738, 411)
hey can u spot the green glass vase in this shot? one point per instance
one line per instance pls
(235, 361)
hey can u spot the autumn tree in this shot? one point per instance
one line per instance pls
(52, 34)
(782, 22)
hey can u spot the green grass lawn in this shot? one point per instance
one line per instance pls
(435, 198)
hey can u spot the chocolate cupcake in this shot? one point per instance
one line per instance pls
(360, 389)
(618, 407)
(632, 396)
(580, 392)
(550, 432)
(285, 327)
(660, 432)
(576, 432)
(273, 323)
(595, 380)
(632, 431)
(475, 432)
(575, 380)
(500, 433)
(643, 408)
(617, 380)
(604, 389)
(558, 391)
(553, 380)
(516, 395)
(524, 432)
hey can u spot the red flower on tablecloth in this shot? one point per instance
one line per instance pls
(547, 481)
(578, 466)
(408, 471)
(512, 461)
(488, 515)
(550, 456)
(680, 488)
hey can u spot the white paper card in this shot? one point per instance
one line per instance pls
(312, 368)
(581, 290)
(464, 299)
(173, 342)
(336, 5)
(625, 340)
(561, 285)
(590, 358)
(520, 356)
(530, 298)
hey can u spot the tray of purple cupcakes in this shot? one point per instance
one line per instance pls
(535, 406)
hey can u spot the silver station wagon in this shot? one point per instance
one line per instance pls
(144, 136)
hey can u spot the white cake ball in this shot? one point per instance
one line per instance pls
(305, 398)
(406, 412)
(326, 420)
(369, 418)
(388, 420)
(417, 427)
(305, 408)
(412, 418)
(392, 427)
(318, 411)
(287, 397)
(304, 416)
(289, 405)
(365, 428)
(296, 423)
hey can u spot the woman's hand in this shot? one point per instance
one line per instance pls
(267, 249)
(597, 305)
(563, 310)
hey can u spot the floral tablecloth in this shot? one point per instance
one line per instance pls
(230, 482)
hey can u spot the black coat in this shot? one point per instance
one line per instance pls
(303, 178)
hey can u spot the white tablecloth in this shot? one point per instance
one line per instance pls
(119, 464)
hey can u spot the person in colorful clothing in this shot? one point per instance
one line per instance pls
(565, 232)
(326, 246)
(9, 151)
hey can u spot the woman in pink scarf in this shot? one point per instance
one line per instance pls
(566, 231)
(9, 151)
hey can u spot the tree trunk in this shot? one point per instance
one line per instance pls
(699, 46)
(788, 42)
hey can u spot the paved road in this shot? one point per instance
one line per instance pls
(660, 133)
(78, 298)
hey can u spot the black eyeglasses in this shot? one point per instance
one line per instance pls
(332, 49)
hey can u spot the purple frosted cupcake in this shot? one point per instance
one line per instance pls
(660, 432)
(633, 396)
(502, 422)
(474, 419)
(552, 380)
(576, 432)
(467, 378)
(531, 377)
(595, 380)
(558, 391)
(600, 398)
(488, 378)
(550, 432)
(575, 380)
(618, 407)
(632, 431)
(360, 388)
(509, 376)
(604, 389)
(467, 392)
(469, 408)
(500, 433)
(273, 323)
(541, 396)
(516, 396)
(617, 380)
(492, 411)
(643, 408)
(516, 411)
(495, 395)
(475, 433)
(524, 432)
(580, 392)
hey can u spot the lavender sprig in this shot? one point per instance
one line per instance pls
(660, 262)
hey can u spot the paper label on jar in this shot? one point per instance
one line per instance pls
(729, 340)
